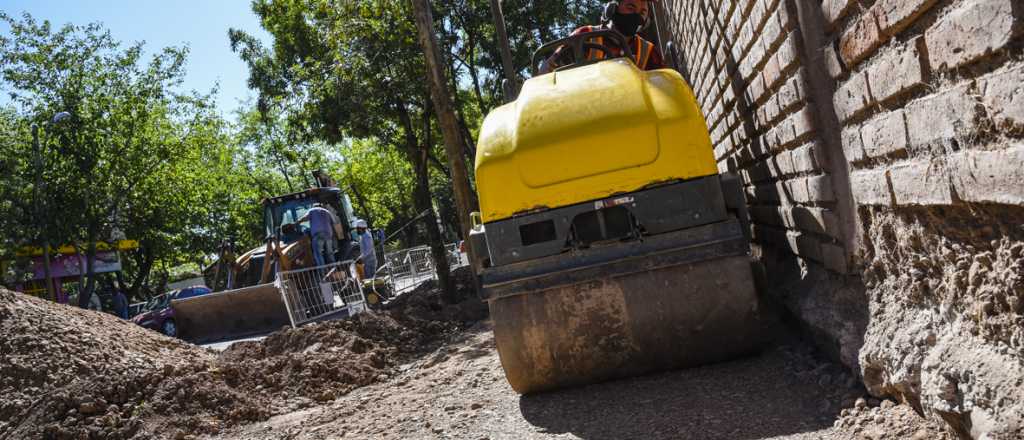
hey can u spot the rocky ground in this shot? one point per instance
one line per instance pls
(418, 370)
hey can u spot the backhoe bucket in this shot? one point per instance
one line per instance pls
(231, 314)
(670, 308)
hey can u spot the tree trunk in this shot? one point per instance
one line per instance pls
(145, 267)
(506, 52)
(475, 76)
(453, 141)
(421, 198)
(361, 201)
(85, 293)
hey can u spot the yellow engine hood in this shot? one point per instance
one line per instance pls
(586, 133)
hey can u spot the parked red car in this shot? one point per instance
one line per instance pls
(159, 315)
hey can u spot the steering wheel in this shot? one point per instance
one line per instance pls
(580, 46)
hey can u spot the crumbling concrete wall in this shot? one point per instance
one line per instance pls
(882, 147)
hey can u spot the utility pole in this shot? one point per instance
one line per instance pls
(43, 233)
(464, 200)
(511, 85)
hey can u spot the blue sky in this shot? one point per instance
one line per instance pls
(202, 25)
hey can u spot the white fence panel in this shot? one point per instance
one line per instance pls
(320, 292)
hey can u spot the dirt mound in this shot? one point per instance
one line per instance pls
(322, 361)
(70, 373)
(426, 304)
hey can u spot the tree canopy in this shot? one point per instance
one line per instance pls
(341, 87)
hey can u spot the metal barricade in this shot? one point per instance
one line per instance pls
(330, 291)
(408, 268)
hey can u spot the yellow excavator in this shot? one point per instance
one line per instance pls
(246, 300)
(610, 244)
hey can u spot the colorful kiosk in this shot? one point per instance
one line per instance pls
(67, 265)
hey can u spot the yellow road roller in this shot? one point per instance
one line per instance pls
(609, 244)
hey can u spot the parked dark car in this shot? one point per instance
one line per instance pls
(159, 316)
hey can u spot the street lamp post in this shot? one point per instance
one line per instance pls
(44, 233)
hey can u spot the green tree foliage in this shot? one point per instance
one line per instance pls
(135, 157)
(342, 88)
(349, 70)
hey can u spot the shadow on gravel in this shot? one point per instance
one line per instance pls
(751, 398)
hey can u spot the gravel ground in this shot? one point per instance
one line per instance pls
(420, 370)
(459, 391)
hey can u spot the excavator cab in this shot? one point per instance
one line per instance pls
(610, 244)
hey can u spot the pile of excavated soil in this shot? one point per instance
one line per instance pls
(71, 373)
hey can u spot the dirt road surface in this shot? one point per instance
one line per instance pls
(460, 392)
(422, 369)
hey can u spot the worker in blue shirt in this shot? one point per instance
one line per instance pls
(321, 230)
(366, 249)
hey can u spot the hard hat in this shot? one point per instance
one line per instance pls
(360, 223)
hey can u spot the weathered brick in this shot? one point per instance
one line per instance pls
(989, 176)
(835, 258)
(832, 63)
(883, 20)
(797, 190)
(772, 72)
(853, 146)
(860, 40)
(789, 52)
(896, 15)
(773, 31)
(946, 119)
(885, 134)
(1003, 96)
(923, 182)
(852, 97)
(819, 189)
(871, 187)
(784, 163)
(834, 10)
(818, 220)
(771, 109)
(792, 93)
(970, 32)
(720, 151)
(897, 73)
(786, 131)
(803, 122)
(804, 160)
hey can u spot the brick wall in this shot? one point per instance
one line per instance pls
(864, 130)
(748, 64)
(744, 60)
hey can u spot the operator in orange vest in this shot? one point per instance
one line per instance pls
(628, 17)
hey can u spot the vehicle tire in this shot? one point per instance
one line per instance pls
(169, 328)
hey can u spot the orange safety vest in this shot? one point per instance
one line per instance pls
(641, 51)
